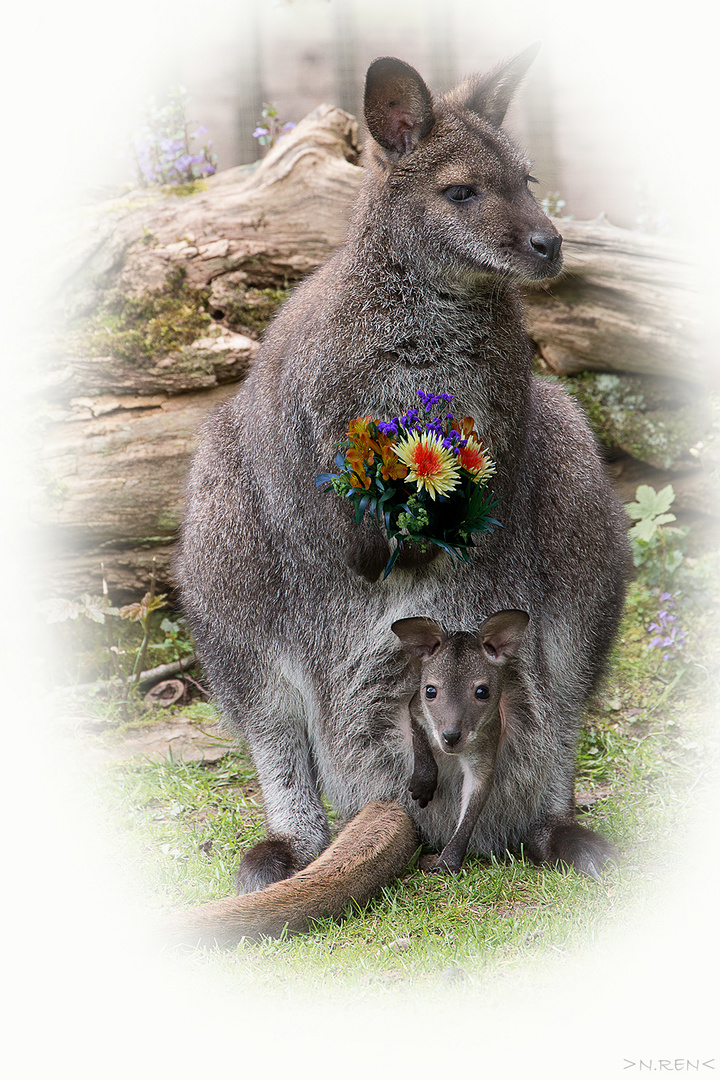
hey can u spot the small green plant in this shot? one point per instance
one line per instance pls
(270, 129)
(122, 653)
(164, 153)
(174, 631)
(658, 551)
(552, 204)
(140, 612)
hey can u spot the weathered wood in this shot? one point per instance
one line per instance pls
(121, 407)
(267, 225)
(625, 302)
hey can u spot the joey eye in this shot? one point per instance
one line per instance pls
(430, 692)
(531, 180)
(460, 193)
(482, 692)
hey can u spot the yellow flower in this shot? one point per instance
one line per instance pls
(429, 464)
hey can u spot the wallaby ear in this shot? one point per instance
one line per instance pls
(490, 95)
(419, 637)
(398, 105)
(502, 633)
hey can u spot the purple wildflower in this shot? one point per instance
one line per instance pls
(668, 635)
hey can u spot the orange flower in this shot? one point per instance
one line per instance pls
(472, 457)
(361, 481)
(429, 464)
(356, 459)
(467, 428)
(391, 468)
(361, 433)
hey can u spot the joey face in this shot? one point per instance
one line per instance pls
(459, 692)
(461, 675)
(456, 189)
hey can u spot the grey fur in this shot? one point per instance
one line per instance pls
(280, 588)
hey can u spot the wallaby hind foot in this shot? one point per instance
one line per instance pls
(271, 860)
(566, 843)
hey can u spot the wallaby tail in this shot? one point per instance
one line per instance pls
(370, 851)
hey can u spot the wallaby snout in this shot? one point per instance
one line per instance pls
(546, 246)
(451, 738)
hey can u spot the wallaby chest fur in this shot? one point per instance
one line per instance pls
(295, 641)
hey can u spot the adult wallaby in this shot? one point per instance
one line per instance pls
(466, 694)
(283, 591)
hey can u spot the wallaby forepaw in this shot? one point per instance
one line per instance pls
(267, 862)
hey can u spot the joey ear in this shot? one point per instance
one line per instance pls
(420, 637)
(502, 633)
(490, 95)
(398, 105)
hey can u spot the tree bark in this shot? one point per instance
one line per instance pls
(165, 298)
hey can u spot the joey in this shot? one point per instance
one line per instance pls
(460, 709)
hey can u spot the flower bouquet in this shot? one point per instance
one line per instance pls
(423, 478)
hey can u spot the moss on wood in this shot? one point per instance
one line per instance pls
(142, 328)
(252, 309)
(655, 420)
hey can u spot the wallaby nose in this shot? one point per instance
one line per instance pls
(451, 737)
(547, 247)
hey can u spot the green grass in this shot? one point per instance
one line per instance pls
(644, 756)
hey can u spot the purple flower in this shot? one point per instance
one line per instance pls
(668, 635)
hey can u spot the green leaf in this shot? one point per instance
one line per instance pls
(644, 530)
(391, 561)
(360, 509)
(650, 503)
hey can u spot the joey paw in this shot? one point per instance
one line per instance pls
(436, 864)
(427, 862)
(421, 789)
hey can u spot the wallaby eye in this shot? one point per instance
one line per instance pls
(482, 692)
(430, 692)
(460, 193)
(531, 180)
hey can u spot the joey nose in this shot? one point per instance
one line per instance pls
(547, 247)
(451, 738)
